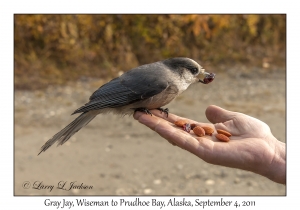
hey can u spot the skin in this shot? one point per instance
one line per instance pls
(252, 146)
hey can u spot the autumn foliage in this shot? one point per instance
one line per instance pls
(52, 49)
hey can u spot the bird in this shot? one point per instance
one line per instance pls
(146, 87)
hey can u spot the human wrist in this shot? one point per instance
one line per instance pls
(277, 169)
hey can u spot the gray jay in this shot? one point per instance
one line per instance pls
(150, 86)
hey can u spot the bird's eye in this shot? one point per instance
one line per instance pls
(194, 70)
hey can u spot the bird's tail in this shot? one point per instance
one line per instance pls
(66, 133)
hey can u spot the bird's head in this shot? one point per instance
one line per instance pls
(190, 70)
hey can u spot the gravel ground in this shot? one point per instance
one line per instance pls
(118, 156)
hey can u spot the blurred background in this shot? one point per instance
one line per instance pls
(60, 60)
(53, 49)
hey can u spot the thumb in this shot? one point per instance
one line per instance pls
(216, 114)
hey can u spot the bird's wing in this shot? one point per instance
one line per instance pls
(138, 84)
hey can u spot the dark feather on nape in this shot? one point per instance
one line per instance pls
(180, 62)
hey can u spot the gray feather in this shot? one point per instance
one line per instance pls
(140, 83)
(66, 133)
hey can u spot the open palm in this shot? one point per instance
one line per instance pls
(251, 147)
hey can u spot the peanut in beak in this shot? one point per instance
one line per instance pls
(208, 78)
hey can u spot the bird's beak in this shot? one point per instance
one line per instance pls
(206, 77)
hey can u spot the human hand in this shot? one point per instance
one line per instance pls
(251, 147)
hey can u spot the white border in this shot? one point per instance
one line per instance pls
(8, 201)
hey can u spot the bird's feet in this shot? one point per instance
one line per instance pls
(166, 110)
(141, 109)
(147, 111)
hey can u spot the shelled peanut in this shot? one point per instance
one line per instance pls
(200, 131)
